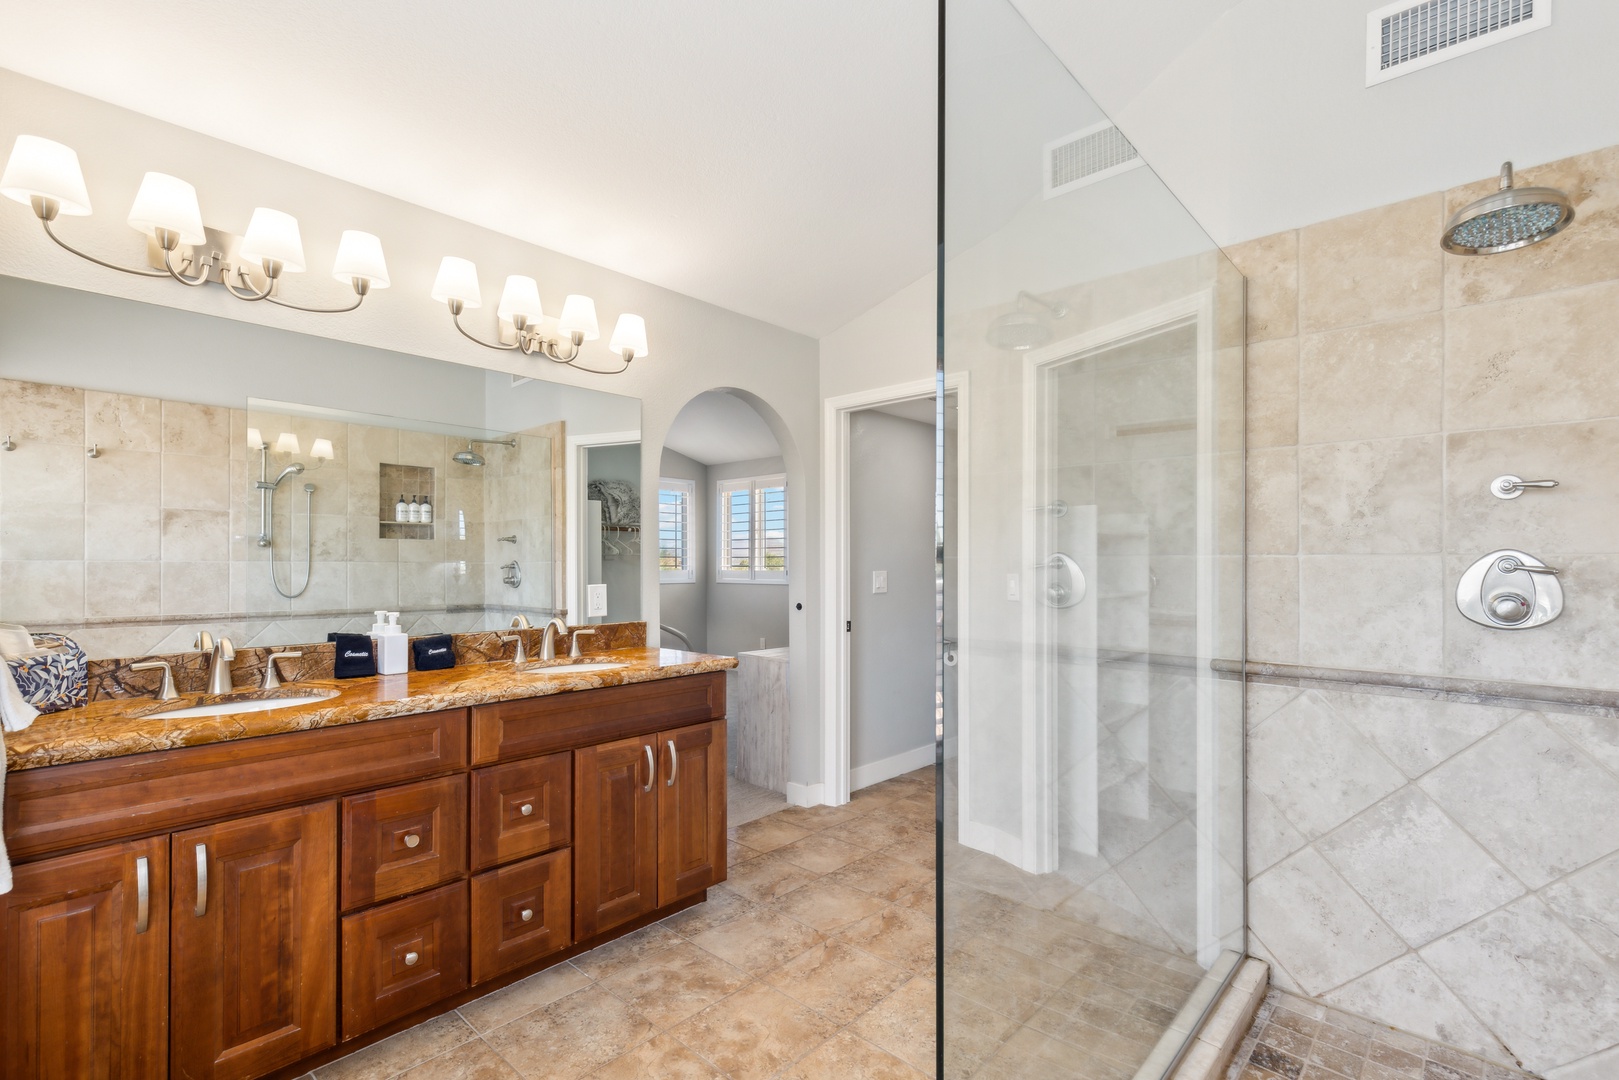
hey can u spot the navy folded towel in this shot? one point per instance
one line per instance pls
(433, 653)
(355, 658)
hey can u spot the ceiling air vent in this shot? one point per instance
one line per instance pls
(1086, 156)
(1405, 37)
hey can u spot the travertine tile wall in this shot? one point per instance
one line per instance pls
(133, 551)
(1388, 383)
(1444, 866)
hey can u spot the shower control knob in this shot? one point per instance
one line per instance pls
(1510, 607)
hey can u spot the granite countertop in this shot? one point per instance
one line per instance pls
(116, 728)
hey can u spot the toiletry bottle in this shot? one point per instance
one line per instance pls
(427, 511)
(401, 511)
(414, 511)
(393, 649)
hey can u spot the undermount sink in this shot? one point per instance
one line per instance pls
(572, 669)
(219, 708)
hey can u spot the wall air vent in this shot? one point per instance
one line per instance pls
(1092, 154)
(1405, 37)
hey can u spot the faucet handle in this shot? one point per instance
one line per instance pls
(167, 692)
(522, 653)
(272, 677)
(578, 633)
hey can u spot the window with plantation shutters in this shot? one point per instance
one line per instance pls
(752, 529)
(675, 556)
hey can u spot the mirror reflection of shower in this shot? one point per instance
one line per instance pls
(287, 443)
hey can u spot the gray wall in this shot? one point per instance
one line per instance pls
(622, 574)
(739, 614)
(685, 605)
(890, 528)
(66, 337)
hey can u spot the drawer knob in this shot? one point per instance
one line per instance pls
(526, 809)
(411, 958)
(411, 840)
(527, 914)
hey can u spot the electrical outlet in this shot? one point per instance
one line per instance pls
(595, 601)
(1013, 592)
(879, 581)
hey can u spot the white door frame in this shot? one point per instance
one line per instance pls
(834, 789)
(576, 482)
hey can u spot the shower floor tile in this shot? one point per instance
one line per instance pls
(1293, 1038)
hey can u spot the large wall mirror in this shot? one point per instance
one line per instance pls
(171, 471)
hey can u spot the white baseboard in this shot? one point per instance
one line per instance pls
(877, 771)
(997, 842)
(805, 794)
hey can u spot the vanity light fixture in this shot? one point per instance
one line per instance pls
(519, 308)
(45, 175)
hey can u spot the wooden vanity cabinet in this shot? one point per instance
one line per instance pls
(84, 955)
(649, 823)
(253, 980)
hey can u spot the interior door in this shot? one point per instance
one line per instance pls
(615, 834)
(84, 953)
(254, 943)
(691, 810)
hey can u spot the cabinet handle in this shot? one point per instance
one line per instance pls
(526, 809)
(411, 840)
(411, 958)
(202, 881)
(651, 767)
(143, 895)
(527, 914)
(674, 765)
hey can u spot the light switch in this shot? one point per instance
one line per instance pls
(1012, 590)
(595, 601)
(879, 581)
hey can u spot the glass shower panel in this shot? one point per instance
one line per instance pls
(1092, 877)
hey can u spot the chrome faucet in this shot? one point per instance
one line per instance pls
(221, 654)
(272, 677)
(548, 643)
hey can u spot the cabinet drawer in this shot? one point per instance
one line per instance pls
(521, 809)
(521, 913)
(403, 839)
(542, 725)
(403, 956)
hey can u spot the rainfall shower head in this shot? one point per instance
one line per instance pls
(1020, 330)
(469, 456)
(1509, 219)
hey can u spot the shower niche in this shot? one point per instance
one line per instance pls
(414, 486)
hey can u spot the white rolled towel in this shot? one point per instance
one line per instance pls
(15, 715)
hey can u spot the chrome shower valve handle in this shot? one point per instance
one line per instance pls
(1511, 565)
(1510, 487)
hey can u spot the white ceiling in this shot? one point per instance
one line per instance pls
(716, 428)
(777, 159)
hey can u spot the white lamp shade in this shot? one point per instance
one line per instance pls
(629, 335)
(579, 315)
(41, 167)
(359, 255)
(287, 443)
(254, 439)
(321, 450)
(520, 297)
(457, 280)
(273, 235)
(167, 202)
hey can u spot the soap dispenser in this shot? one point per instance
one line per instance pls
(392, 646)
(401, 509)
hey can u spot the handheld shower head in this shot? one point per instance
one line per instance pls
(291, 470)
(1511, 218)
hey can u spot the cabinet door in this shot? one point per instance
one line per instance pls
(254, 927)
(84, 954)
(691, 810)
(615, 824)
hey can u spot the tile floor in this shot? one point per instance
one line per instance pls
(1294, 1038)
(814, 961)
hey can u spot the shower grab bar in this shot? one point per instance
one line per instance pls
(672, 632)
